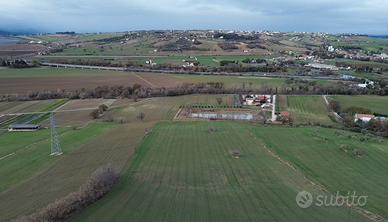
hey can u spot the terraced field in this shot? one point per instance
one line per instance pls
(377, 104)
(183, 171)
(308, 109)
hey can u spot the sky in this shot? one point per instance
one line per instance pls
(333, 16)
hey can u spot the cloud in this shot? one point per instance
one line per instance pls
(363, 16)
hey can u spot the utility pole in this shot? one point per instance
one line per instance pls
(55, 145)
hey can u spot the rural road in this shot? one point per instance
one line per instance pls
(338, 117)
(273, 108)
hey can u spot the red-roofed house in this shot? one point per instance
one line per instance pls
(285, 114)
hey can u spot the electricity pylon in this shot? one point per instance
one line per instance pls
(55, 145)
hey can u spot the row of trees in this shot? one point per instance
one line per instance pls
(292, 86)
(226, 66)
(97, 113)
(18, 63)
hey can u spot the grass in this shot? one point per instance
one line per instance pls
(34, 118)
(328, 157)
(377, 104)
(308, 109)
(114, 145)
(162, 108)
(182, 172)
(52, 107)
(68, 172)
(30, 151)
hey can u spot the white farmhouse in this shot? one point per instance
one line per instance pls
(365, 118)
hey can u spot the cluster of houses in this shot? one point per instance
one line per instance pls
(264, 101)
(366, 118)
(322, 66)
(191, 62)
(150, 62)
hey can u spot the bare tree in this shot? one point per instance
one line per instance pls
(219, 100)
(141, 116)
(95, 114)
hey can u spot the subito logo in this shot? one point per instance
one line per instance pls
(304, 199)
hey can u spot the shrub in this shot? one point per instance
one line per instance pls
(95, 114)
(99, 184)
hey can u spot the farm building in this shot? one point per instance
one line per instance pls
(256, 100)
(381, 118)
(23, 127)
(322, 66)
(365, 118)
(285, 114)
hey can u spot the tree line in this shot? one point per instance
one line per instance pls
(99, 184)
(292, 86)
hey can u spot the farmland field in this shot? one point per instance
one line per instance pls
(38, 79)
(76, 113)
(339, 160)
(185, 172)
(25, 107)
(308, 109)
(38, 179)
(377, 104)
(42, 180)
(164, 108)
(30, 153)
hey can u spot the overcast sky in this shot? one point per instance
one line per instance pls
(336, 16)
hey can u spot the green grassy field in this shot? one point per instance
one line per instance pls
(377, 104)
(85, 151)
(35, 106)
(308, 109)
(184, 172)
(330, 158)
(29, 152)
(31, 188)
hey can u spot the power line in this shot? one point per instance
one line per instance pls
(55, 144)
